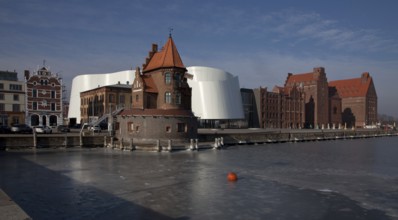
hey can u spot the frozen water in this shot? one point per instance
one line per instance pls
(350, 179)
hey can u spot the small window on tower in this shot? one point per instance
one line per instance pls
(167, 78)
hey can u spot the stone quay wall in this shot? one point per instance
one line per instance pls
(50, 141)
(210, 138)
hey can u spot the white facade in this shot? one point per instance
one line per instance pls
(90, 81)
(215, 94)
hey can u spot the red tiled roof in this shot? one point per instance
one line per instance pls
(167, 57)
(303, 77)
(157, 112)
(357, 87)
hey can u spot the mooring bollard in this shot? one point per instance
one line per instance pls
(191, 147)
(158, 145)
(170, 143)
(66, 140)
(215, 143)
(81, 140)
(196, 144)
(34, 139)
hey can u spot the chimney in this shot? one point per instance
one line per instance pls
(27, 74)
(154, 48)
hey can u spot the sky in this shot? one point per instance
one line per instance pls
(259, 41)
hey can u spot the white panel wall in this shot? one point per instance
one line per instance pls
(215, 94)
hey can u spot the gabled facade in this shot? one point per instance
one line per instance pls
(161, 100)
(280, 108)
(44, 98)
(359, 100)
(315, 87)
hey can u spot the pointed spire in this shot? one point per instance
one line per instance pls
(167, 57)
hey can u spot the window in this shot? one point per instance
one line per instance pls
(167, 97)
(178, 98)
(1, 96)
(1, 106)
(110, 97)
(121, 99)
(34, 93)
(137, 98)
(16, 97)
(15, 87)
(53, 94)
(137, 128)
(168, 129)
(15, 107)
(34, 106)
(1, 86)
(181, 127)
(130, 126)
(167, 78)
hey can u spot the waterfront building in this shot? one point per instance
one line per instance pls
(44, 98)
(161, 106)
(12, 99)
(214, 97)
(315, 86)
(280, 108)
(358, 100)
(86, 82)
(95, 103)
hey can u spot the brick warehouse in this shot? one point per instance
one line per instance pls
(161, 100)
(358, 100)
(308, 99)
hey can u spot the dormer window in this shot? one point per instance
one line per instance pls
(167, 78)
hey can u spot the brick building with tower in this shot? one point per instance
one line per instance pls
(315, 87)
(161, 100)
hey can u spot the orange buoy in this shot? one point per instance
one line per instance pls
(232, 177)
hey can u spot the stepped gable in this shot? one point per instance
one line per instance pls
(357, 87)
(167, 57)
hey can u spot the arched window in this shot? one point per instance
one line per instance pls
(167, 78)
(167, 97)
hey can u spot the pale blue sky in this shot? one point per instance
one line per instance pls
(260, 41)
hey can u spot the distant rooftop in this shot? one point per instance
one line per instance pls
(10, 76)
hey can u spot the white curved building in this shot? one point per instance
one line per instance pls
(215, 94)
(90, 81)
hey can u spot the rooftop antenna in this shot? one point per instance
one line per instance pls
(170, 31)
